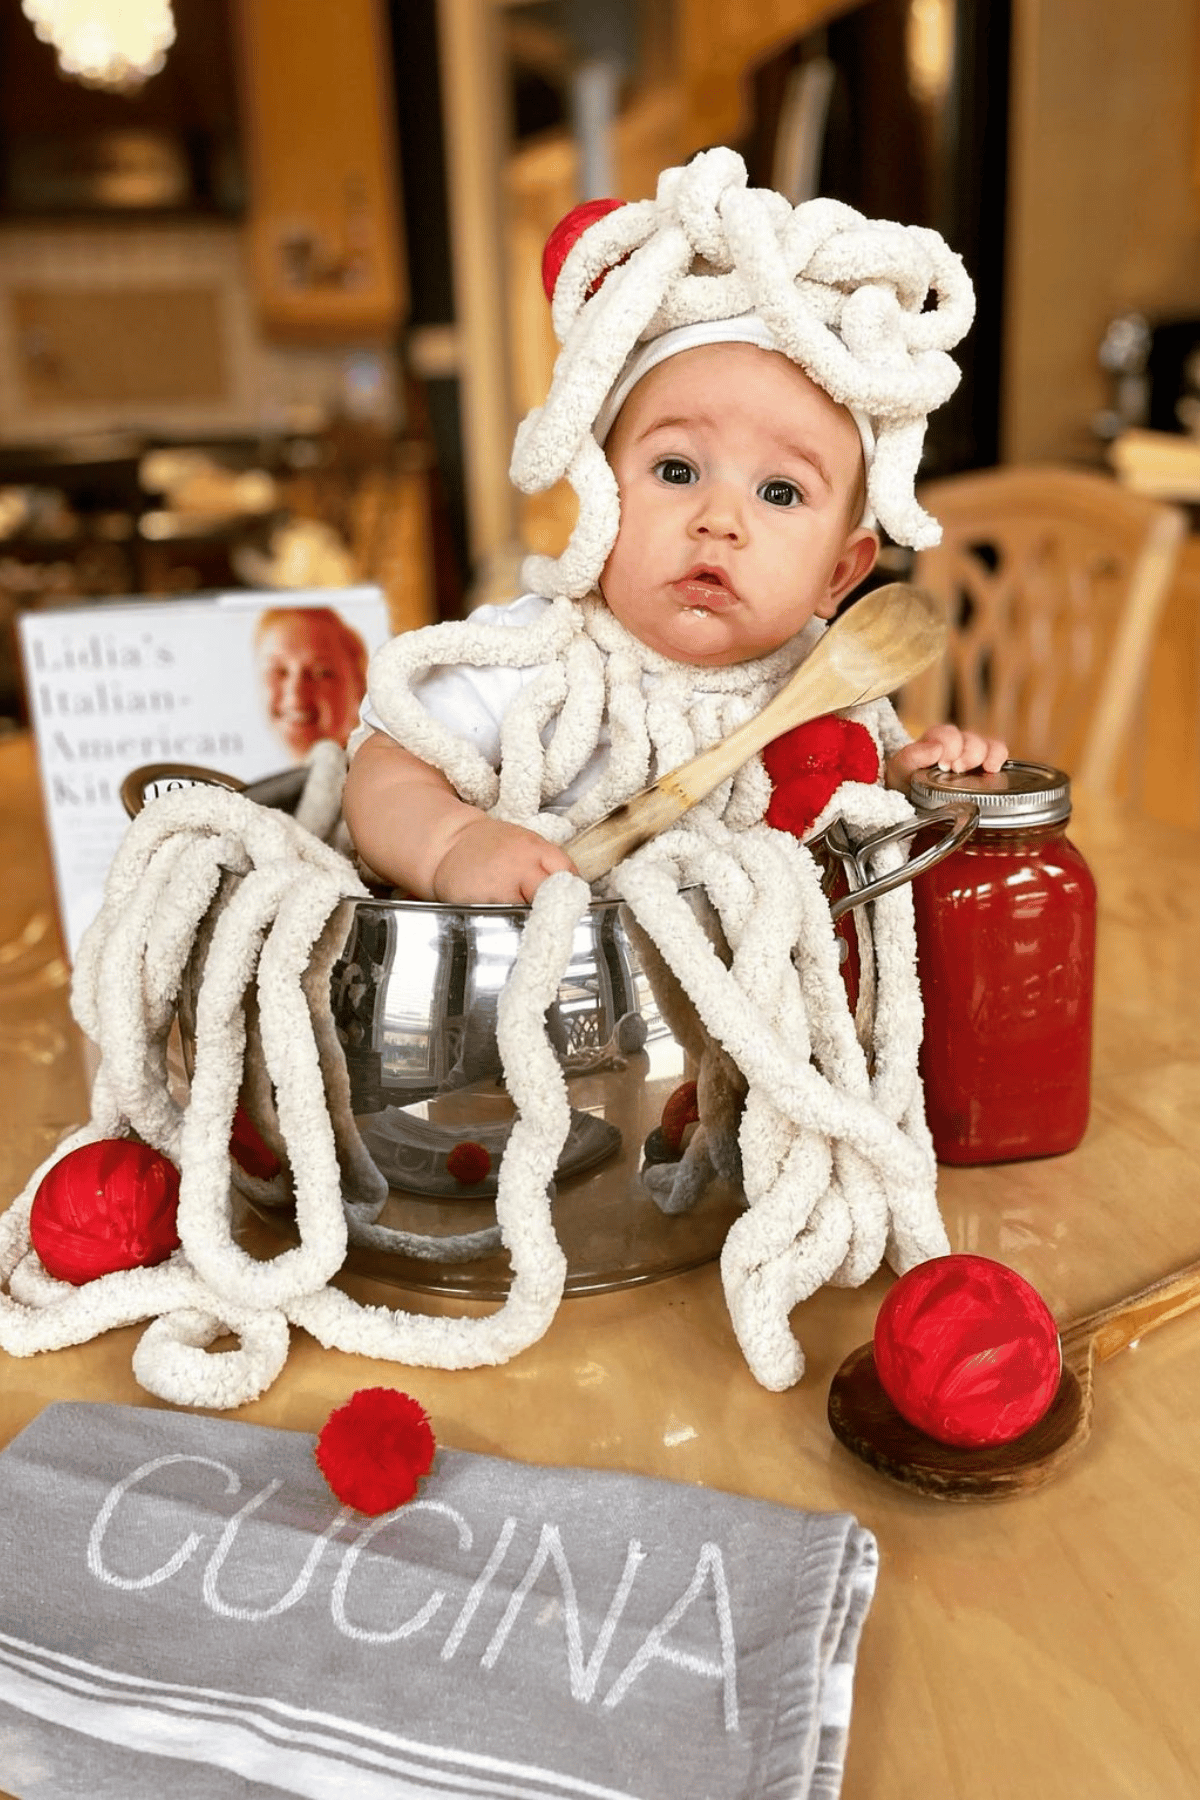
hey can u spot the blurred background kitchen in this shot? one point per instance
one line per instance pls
(270, 301)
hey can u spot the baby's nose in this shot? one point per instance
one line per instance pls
(720, 515)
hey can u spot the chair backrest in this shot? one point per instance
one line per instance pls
(1053, 581)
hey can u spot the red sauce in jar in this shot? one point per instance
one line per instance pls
(1006, 931)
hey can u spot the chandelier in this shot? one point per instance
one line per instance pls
(105, 43)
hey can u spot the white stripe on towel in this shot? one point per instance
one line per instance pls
(297, 1749)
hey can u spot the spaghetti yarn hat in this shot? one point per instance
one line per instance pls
(869, 309)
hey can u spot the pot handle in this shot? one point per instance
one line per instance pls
(956, 822)
(280, 791)
(151, 779)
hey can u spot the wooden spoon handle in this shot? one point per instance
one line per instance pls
(628, 826)
(1115, 1327)
(886, 638)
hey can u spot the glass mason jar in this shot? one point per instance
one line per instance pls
(1006, 932)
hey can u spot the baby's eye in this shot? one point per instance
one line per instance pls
(778, 492)
(675, 471)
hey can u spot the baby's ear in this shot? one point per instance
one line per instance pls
(852, 566)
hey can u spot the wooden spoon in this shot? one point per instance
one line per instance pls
(882, 641)
(865, 1421)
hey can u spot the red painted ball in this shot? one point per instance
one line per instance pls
(566, 235)
(682, 1109)
(249, 1149)
(809, 763)
(967, 1350)
(105, 1206)
(469, 1163)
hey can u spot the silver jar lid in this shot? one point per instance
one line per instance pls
(1019, 796)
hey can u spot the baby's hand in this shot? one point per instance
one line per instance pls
(946, 747)
(491, 862)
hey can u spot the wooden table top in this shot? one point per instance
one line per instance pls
(1044, 1646)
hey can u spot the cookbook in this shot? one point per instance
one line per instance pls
(242, 683)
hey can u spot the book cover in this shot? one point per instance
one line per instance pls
(242, 683)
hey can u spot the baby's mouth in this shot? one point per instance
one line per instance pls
(705, 591)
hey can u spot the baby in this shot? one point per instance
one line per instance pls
(743, 475)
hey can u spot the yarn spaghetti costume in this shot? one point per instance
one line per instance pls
(817, 1113)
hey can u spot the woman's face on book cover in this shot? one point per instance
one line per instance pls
(312, 674)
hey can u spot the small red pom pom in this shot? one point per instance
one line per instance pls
(809, 763)
(374, 1450)
(967, 1351)
(681, 1110)
(565, 236)
(468, 1163)
(105, 1206)
(248, 1148)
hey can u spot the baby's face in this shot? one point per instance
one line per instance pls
(741, 488)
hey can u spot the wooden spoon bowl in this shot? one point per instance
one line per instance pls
(863, 1418)
(865, 1421)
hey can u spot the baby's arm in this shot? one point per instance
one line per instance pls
(945, 747)
(410, 827)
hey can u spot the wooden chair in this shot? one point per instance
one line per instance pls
(1053, 581)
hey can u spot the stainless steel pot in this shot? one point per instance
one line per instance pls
(414, 999)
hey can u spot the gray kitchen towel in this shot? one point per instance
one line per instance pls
(187, 1611)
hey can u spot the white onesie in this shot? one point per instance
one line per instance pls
(472, 702)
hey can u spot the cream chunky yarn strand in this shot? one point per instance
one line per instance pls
(265, 901)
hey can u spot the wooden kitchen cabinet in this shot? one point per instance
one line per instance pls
(718, 46)
(325, 248)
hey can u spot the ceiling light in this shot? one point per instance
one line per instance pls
(105, 43)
